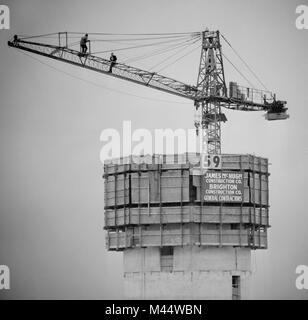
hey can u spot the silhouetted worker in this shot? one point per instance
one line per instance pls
(83, 44)
(113, 60)
(15, 40)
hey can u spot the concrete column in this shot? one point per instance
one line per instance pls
(198, 273)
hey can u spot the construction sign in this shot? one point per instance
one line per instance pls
(223, 186)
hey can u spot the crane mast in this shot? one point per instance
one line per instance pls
(211, 81)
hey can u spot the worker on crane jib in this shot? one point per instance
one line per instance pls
(15, 40)
(113, 60)
(83, 44)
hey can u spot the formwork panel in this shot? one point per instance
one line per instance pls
(188, 235)
(186, 214)
(154, 187)
(237, 162)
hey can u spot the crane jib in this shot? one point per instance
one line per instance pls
(102, 65)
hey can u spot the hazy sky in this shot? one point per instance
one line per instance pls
(51, 190)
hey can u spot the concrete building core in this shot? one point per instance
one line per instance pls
(186, 236)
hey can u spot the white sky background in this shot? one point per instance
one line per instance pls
(51, 190)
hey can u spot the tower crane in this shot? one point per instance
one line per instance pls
(209, 95)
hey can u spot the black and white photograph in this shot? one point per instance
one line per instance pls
(153, 150)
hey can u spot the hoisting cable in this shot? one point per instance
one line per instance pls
(245, 63)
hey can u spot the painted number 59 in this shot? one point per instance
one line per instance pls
(213, 161)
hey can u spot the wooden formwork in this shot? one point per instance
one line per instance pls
(190, 214)
(161, 190)
(172, 186)
(120, 240)
(244, 162)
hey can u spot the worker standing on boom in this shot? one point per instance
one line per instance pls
(113, 60)
(83, 44)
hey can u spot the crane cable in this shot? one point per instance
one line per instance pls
(183, 47)
(193, 38)
(179, 43)
(137, 34)
(111, 34)
(245, 63)
(252, 86)
(157, 51)
(56, 35)
(144, 39)
(161, 51)
(175, 37)
(38, 36)
(170, 64)
(135, 47)
(130, 41)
